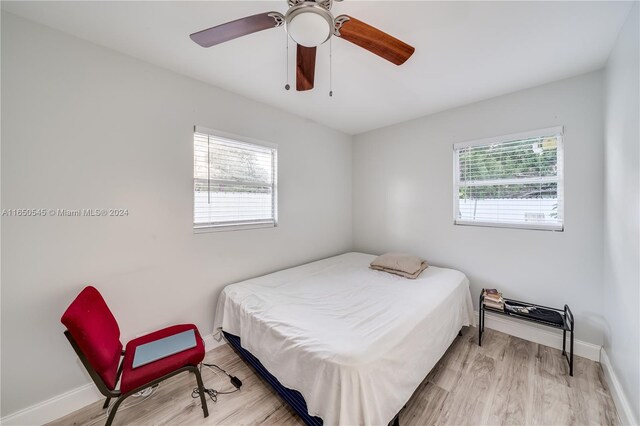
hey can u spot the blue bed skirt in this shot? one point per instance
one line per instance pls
(292, 397)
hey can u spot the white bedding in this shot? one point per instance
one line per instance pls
(355, 342)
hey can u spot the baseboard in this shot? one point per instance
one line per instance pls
(55, 407)
(70, 401)
(547, 337)
(625, 413)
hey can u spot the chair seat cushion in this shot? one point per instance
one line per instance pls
(133, 378)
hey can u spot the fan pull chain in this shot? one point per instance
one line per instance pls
(330, 68)
(286, 86)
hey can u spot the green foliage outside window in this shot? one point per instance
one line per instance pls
(520, 159)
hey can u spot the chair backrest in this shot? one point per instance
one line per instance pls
(96, 333)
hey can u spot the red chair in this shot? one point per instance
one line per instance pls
(95, 336)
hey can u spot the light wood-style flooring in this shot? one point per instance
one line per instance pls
(507, 381)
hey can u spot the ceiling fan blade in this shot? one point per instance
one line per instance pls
(238, 28)
(374, 40)
(305, 67)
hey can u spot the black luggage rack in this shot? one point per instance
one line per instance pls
(568, 323)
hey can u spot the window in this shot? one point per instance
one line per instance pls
(235, 182)
(510, 181)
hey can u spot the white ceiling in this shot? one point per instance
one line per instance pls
(465, 51)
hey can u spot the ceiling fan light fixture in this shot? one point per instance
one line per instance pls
(308, 24)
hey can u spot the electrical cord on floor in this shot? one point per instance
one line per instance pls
(145, 394)
(213, 394)
(234, 380)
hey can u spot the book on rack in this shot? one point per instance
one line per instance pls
(493, 299)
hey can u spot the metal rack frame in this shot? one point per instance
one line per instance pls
(568, 324)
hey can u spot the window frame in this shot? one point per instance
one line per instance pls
(231, 226)
(556, 130)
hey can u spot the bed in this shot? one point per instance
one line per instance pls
(354, 343)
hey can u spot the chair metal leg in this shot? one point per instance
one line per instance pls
(203, 399)
(106, 402)
(112, 414)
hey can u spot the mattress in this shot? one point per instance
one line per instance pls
(355, 342)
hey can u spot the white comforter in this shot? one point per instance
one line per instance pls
(355, 342)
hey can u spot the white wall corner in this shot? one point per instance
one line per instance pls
(70, 401)
(547, 337)
(625, 413)
(211, 343)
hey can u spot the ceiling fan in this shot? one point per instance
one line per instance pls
(310, 23)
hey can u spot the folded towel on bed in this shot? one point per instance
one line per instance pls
(400, 264)
(401, 273)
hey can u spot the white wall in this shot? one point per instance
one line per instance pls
(403, 183)
(621, 293)
(85, 127)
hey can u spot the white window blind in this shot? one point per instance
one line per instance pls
(511, 181)
(235, 182)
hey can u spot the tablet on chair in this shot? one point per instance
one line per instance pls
(162, 348)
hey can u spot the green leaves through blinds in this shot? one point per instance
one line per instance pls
(511, 181)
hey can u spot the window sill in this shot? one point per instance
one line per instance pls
(203, 229)
(533, 227)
